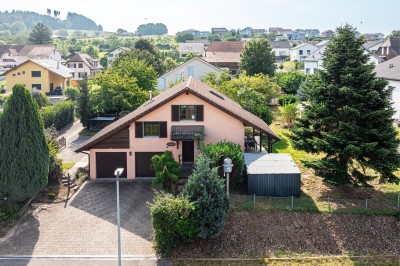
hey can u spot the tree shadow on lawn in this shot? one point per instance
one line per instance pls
(99, 199)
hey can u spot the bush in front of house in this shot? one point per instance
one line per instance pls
(167, 171)
(173, 222)
(58, 115)
(287, 99)
(55, 166)
(217, 152)
(41, 99)
(207, 191)
(71, 93)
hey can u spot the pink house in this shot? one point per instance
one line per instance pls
(174, 120)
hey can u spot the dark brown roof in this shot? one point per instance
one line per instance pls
(230, 47)
(33, 50)
(85, 58)
(198, 89)
(394, 43)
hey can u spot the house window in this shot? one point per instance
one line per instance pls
(80, 65)
(73, 74)
(308, 52)
(23, 72)
(307, 70)
(187, 112)
(14, 75)
(36, 74)
(80, 74)
(300, 52)
(19, 73)
(151, 129)
(36, 86)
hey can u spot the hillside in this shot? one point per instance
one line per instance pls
(18, 20)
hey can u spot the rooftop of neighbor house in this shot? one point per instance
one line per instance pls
(226, 47)
(191, 47)
(87, 59)
(49, 64)
(389, 69)
(30, 50)
(195, 87)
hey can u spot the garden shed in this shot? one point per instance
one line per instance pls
(274, 175)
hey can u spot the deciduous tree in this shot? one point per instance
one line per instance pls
(258, 58)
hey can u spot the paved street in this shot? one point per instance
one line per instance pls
(71, 134)
(87, 226)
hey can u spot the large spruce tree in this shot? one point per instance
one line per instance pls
(41, 34)
(349, 118)
(24, 154)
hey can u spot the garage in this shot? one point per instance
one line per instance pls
(143, 162)
(107, 162)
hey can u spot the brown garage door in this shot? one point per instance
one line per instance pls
(107, 162)
(142, 164)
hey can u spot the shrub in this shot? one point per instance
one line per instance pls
(3, 99)
(58, 115)
(55, 166)
(217, 152)
(167, 171)
(207, 191)
(52, 196)
(287, 99)
(71, 93)
(173, 222)
(289, 113)
(41, 99)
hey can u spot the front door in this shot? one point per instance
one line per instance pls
(187, 151)
(51, 88)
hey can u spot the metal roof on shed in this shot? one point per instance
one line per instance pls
(268, 163)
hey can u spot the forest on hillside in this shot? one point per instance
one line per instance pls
(16, 21)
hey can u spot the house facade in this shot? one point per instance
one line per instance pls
(178, 120)
(225, 55)
(196, 49)
(246, 31)
(389, 49)
(302, 51)
(80, 64)
(390, 70)
(45, 75)
(195, 67)
(281, 50)
(111, 55)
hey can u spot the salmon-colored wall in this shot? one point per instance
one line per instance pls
(218, 126)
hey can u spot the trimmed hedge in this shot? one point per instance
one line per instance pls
(218, 152)
(173, 222)
(58, 115)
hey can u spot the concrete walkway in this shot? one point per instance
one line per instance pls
(74, 140)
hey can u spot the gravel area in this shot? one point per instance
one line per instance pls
(265, 234)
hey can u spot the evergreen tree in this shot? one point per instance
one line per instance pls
(24, 154)
(207, 191)
(83, 101)
(41, 34)
(349, 118)
(258, 58)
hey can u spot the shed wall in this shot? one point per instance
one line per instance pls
(275, 185)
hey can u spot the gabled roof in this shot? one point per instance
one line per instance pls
(316, 56)
(301, 46)
(124, 49)
(34, 50)
(389, 69)
(49, 64)
(394, 43)
(226, 47)
(368, 44)
(191, 48)
(194, 87)
(191, 61)
(85, 58)
(280, 44)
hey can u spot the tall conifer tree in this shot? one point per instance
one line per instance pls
(349, 119)
(24, 154)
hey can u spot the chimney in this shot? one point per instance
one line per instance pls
(391, 66)
(58, 64)
(151, 95)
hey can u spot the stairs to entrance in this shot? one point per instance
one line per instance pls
(70, 182)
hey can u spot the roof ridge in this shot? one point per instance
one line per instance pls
(189, 82)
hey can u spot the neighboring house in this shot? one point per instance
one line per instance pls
(80, 64)
(374, 37)
(281, 50)
(178, 120)
(111, 55)
(219, 30)
(372, 46)
(246, 31)
(287, 34)
(311, 33)
(314, 61)
(197, 33)
(298, 35)
(45, 75)
(13, 55)
(321, 43)
(225, 55)
(196, 49)
(389, 49)
(390, 70)
(196, 67)
(301, 51)
(275, 30)
(258, 31)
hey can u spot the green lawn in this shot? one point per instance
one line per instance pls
(66, 166)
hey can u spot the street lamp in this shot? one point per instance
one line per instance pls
(118, 172)
(227, 169)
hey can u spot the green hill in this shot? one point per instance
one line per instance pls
(16, 21)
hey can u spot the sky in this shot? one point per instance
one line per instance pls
(367, 15)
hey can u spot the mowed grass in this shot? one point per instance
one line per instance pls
(66, 166)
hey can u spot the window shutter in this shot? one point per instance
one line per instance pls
(175, 112)
(163, 129)
(138, 129)
(199, 112)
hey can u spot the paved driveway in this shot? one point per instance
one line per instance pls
(87, 226)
